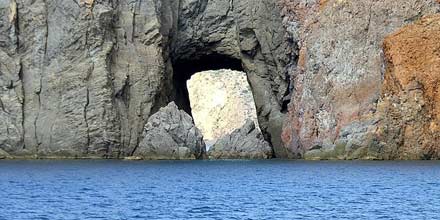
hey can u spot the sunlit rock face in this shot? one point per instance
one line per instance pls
(221, 102)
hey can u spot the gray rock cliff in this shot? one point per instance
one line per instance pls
(81, 78)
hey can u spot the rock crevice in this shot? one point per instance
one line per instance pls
(87, 75)
(338, 79)
(171, 134)
(81, 78)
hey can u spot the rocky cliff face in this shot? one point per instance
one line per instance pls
(249, 31)
(410, 100)
(339, 79)
(80, 78)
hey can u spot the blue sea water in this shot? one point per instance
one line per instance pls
(272, 189)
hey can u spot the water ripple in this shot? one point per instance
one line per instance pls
(219, 190)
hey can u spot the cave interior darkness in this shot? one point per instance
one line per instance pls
(185, 68)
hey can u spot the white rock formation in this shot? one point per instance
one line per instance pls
(221, 102)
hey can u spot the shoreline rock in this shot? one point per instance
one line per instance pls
(246, 142)
(81, 80)
(4, 155)
(170, 133)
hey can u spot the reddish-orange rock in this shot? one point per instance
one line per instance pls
(413, 55)
(338, 79)
(410, 101)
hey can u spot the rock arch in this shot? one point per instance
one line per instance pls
(83, 79)
(244, 35)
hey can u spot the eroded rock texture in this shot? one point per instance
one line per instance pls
(80, 78)
(170, 133)
(11, 90)
(338, 78)
(3, 154)
(246, 142)
(410, 104)
(250, 31)
(221, 101)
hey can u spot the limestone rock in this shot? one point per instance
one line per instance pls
(171, 134)
(246, 142)
(221, 101)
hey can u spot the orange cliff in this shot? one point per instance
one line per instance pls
(411, 90)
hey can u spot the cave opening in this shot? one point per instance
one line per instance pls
(183, 69)
(215, 91)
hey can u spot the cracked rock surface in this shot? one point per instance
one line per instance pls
(171, 134)
(246, 142)
(338, 79)
(3, 154)
(409, 108)
(80, 78)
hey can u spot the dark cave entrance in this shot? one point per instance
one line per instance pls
(183, 70)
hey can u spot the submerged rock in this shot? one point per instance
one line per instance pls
(246, 142)
(170, 134)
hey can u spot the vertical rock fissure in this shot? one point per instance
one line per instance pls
(15, 22)
(230, 8)
(42, 73)
(87, 83)
(2, 106)
(111, 80)
(60, 41)
(133, 25)
(85, 119)
(86, 107)
(23, 101)
(129, 141)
